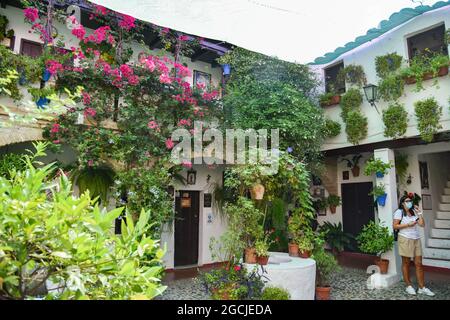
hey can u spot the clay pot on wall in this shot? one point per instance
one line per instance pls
(355, 171)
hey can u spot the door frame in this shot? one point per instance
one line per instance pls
(200, 228)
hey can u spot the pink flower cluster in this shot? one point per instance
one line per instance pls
(100, 10)
(183, 38)
(127, 22)
(119, 75)
(54, 67)
(99, 35)
(208, 96)
(169, 144)
(154, 126)
(86, 98)
(182, 71)
(31, 14)
(79, 32)
(184, 122)
(89, 112)
(55, 128)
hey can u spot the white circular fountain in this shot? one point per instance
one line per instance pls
(296, 275)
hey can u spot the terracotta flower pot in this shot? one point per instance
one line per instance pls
(333, 209)
(428, 76)
(355, 171)
(304, 254)
(257, 191)
(323, 293)
(443, 71)
(263, 261)
(333, 101)
(250, 255)
(293, 249)
(410, 80)
(383, 264)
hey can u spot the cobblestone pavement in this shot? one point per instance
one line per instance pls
(348, 284)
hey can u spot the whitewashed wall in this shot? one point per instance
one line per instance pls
(393, 41)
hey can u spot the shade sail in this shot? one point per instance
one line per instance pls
(292, 30)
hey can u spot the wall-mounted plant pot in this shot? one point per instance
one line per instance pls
(333, 209)
(257, 191)
(382, 200)
(355, 171)
(443, 71)
(380, 175)
(332, 102)
(42, 103)
(226, 69)
(46, 75)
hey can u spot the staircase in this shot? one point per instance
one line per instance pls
(437, 251)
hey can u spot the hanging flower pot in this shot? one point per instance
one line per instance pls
(355, 171)
(380, 175)
(257, 191)
(226, 69)
(382, 200)
(46, 75)
(42, 102)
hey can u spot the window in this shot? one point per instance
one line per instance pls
(433, 40)
(30, 48)
(331, 84)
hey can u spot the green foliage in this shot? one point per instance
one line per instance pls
(388, 64)
(274, 293)
(266, 93)
(378, 191)
(428, 115)
(376, 166)
(262, 247)
(391, 87)
(10, 163)
(335, 236)
(354, 162)
(351, 101)
(334, 200)
(353, 75)
(326, 265)
(375, 239)
(97, 180)
(395, 119)
(4, 31)
(332, 128)
(401, 166)
(326, 98)
(48, 234)
(356, 127)
(300, 230)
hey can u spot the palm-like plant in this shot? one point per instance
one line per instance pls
(335, 236)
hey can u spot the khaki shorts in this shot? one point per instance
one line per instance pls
(409, 248)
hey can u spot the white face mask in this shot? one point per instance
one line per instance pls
(409, 205)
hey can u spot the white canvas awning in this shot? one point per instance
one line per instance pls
(293, 30)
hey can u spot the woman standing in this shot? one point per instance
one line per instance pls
(407, 220)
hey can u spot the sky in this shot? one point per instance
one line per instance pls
(293, 30)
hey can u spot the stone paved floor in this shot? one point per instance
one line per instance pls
(348, 284)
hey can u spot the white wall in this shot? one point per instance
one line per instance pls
(394, 41)
(206, 230)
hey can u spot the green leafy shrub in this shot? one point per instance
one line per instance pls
(351, 101)
(274, 293)
(334, 200)
(395, 119)
(356, 127)
(378, 191)
(401, 166)
(376, 166)
(97, 180)
(388, 64)
(48, 234)
(10, 163)
(353, 75)
(375, 239)
(332, 128)
(326, 265)
(335, 236)
(428, 114)
(391, 88)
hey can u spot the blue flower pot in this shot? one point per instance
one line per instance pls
(42, 102)
(46, 75)
(226, 69)
(382, 200)
(380, 175)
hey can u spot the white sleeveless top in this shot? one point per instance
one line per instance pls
(411, 232)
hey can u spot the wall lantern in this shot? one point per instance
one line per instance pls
(371, 92)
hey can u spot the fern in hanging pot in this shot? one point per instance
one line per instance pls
(97, 180)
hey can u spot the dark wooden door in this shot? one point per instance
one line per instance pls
(357, 208)
(187, 210)
(31, 48)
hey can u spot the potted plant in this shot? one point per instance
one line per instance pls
(294, 227)
(329, 99)
(262, 251)
(353, 75)
(326, 264)
(305, 243)
(380, 194)
(439, 65)
(376, 166)
(335, 237)
(395, 120)
(332, 128)
(353, 164)
(388, 64)
(376, 239)
(274, 293)
(333, 202)
(428, 114)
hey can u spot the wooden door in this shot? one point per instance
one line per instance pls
(357, 208)
(187, 211)
(31, 48)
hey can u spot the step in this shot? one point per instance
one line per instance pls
(442, 224)
(439, 243)
(447, 191)
(436, 263)
(445, 199)
(444, 206)
(440, 233)
(436, 253)
(443, 215)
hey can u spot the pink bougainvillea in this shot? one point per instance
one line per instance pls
(79, 32)
(90, 112)
(100, 10)
(169, 144)
(184, 122)
(99, 35)
(55, 128)
(86, 98)
(164, 78)
(183, 38)
(31, 14)
(127, 22)
(54, 67)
